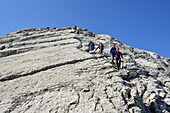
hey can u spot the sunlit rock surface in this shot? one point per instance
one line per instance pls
(49, 71)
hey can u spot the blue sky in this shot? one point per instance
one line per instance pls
(143, 24)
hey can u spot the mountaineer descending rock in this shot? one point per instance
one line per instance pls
(112, 52)
(118, 56)
(91, 46)
(49, 71)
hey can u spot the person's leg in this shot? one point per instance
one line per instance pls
(101, 51)
(90, 48)
(119, 62)
(93, 48)
(112, 57)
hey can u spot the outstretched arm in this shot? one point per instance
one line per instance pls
(121, 55)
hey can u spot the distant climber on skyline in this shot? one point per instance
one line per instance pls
(75, 29)
(78, 31)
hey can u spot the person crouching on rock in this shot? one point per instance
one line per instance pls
(118, 56)
(91, 46)
(112, 52)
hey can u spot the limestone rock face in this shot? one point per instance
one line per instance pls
(49, 71)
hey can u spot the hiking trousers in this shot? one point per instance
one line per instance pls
(118, 63)
(112, 55)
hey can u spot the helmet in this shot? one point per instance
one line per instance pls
(113, 45)
(117, 49)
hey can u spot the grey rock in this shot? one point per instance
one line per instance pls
(132, 74)
(167, 101)
(49, 71)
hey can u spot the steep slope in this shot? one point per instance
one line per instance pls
(50, 71)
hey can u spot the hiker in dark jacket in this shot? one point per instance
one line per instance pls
(112, 52)
(101, 47)
(75, 29)
(78, 31)
(91, 46)
(118, 56)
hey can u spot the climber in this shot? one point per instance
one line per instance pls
(101, 47)
(78, 31)
(91, 46)
(118, 56)
(112, 52)
(75, 29)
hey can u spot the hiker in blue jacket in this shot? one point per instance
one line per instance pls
(118, 56)
(112, 52)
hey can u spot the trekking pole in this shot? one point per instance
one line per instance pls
(122, 63)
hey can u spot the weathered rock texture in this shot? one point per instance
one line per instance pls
(49, 71)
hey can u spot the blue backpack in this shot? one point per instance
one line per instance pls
(112, 50)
